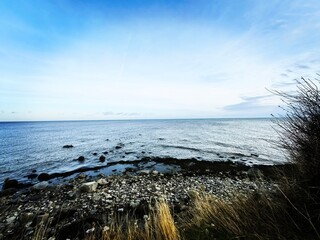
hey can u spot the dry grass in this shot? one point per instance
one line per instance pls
(255, 217)
(260, 215)
(41, 228)
(158, 226)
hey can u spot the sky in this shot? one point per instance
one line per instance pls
(142, 59)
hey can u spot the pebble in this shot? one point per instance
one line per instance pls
(10, 220)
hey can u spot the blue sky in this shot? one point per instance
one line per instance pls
(63, 59)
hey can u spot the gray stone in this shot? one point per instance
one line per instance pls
(40, 185)
(144, 172)
(102, 181)
(155, 172)
(88, 187)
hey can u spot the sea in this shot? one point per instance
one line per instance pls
(38, 146)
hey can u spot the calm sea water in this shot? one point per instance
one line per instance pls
(27, 146)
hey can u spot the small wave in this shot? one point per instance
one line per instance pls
(182, 147)
(221, 144)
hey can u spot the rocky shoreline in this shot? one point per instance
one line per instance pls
(88, 201)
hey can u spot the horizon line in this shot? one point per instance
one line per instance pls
(140, 119)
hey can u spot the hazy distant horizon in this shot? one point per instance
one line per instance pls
(145, 119)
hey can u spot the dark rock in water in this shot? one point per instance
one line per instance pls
(102, 158)
(67, 146)
(32, 176)
(95, 154)
(128, 169)
(143, 152)
(254, 155)
(44, 177)
(8, 192)
(10, 183)
(114, 170)
(107, 139)
(34, 171)
(120, 145)
(161, 139)
(81, 158)
(106, 152)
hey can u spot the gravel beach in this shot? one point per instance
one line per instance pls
(87, 201)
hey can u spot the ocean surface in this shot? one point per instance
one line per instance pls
(27, 146)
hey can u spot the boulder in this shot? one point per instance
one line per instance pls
(44, 177)
(81, 158)
(10, 183)
(94, 154)
(102, 158)
(88, 187)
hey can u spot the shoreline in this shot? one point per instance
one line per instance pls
(160, 164)
(89, 200)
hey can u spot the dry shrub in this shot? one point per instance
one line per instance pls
(300, 129)
(300, 137)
